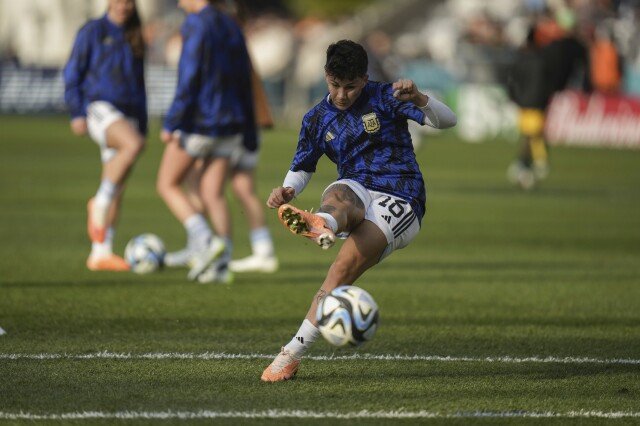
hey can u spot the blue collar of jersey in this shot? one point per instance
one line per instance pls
(361, 99)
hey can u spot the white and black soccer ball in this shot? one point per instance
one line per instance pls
(347, 315)
(144, 253)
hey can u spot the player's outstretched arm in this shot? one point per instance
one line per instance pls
(437, 114)
(280, 196)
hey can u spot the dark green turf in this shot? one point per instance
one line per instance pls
(494, 272)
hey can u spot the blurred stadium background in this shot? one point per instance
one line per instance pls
(533, 296)
(458, 49)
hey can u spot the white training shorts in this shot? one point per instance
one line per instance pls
(201, 146)
(243, 160)
(394, 216)
(101, 115)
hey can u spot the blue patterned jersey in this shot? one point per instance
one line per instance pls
(369, 142)
(213, 96)
(102, 67)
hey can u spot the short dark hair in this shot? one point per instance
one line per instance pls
(346, 60)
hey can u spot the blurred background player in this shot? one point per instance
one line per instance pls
(530, 89)
(552, 59)
(209, 119)
(378, 201)
(105, 93)
(243, 167)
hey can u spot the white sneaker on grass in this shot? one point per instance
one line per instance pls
(217, 272)
(202, 259)
(255, 263)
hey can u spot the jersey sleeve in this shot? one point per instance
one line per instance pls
(308, 151)
(399, 110)
(188, 74)
(75, 71)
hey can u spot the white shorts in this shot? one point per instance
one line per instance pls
(243, 160)
(101, 115)
(201, 146)
(394, 216)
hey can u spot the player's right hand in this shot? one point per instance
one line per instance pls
(79, 126)
(280, 196)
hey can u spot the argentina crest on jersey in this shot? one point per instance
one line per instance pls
(371, 122)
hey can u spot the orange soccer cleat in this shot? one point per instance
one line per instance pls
(307, 224)
(109, 262)
(97, 234)
(284, 367)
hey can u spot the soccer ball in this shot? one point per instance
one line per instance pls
(347, 315)
(144, 253)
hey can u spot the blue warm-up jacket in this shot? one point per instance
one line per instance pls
(102, 67)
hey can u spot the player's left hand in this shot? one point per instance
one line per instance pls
(405, 90)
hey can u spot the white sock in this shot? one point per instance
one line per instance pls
(330, 220)
(105, 248)
(228, 249)
(198, 231)
(102, 201)
(106, 192)
(303, 339)
(261, 243)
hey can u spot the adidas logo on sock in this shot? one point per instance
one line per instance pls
(387, 218)
(300, 339)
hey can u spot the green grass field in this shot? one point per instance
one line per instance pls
(494, 273)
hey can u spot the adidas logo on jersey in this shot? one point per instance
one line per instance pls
(386, 218)
(329, 137)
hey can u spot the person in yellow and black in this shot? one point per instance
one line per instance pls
(530, 88)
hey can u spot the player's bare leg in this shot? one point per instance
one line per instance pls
(263, 257)
(191, 188)
(174, 166)
(212, 185)
(359, 252)
(205, 247)
(102, 257)
(127, 143)
(212, 193)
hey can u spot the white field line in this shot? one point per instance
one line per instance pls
(303, 414)
(364, 356)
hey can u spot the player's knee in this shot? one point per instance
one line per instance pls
(245, 197)
(134, 147)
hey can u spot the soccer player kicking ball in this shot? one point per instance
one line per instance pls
(105, 93)
(378, 201)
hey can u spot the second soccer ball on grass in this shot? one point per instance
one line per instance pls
(145, 253)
